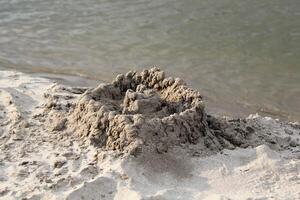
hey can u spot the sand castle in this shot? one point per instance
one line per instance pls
(143, 109)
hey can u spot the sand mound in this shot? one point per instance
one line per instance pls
(148, 112)
(141, 110)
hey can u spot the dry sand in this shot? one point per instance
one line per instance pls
(52, 148)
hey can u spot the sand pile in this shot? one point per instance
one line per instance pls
(147, 112)
(140, 111)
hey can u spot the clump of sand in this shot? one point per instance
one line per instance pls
(141, 110)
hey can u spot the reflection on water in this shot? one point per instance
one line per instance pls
(242, 55)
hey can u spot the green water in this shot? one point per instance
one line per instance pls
(244, 56)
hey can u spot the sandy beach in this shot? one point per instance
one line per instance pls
(53, 147)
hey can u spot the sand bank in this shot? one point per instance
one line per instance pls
(143, 136)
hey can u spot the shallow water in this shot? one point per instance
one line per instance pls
(243, 55)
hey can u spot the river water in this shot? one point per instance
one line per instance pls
(243, 55)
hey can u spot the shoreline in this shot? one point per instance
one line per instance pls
(39, 162)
